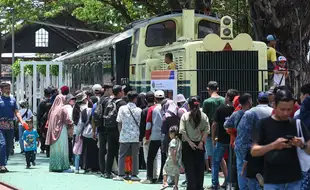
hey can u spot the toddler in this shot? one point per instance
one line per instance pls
(31, 141)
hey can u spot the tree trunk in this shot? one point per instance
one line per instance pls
(289, 21)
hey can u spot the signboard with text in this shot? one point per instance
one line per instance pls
(166, 80)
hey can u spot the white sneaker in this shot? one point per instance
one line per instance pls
(146, 181)
(76, 171)
(118, 178)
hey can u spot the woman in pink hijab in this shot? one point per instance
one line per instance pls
(59, 123)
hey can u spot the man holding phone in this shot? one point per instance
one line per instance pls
(280, 142)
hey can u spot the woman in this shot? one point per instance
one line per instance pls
(82, 119)
(194, 127)
(59, 123)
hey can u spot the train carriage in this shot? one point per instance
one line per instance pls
(203, 48)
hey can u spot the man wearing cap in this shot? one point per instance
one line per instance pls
(248, 124)
(97, 88)
(154, 122)
(8, 110)
(42, 116)
(271, 55)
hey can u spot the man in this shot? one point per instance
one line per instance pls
(169, 61)
(110, 124)
(64, 90)
(271, 55)
(42, 116)
(98, 126)
(8, 109)
(128, 119)
(221, 140)
(248, 124)
(280, 144)
(305, 92)
(153, 135)
(209, 107)
(97, 90)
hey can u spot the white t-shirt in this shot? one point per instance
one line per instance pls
(277, 77)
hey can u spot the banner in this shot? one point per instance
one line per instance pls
(166, 80)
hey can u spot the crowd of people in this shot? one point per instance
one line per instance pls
(114, 131)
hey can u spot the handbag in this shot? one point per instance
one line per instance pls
(88, 128)
(304, 158)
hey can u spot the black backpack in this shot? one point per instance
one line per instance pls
(99, 111)
(110, 114)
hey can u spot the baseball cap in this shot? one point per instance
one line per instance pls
(271, 38)
(181, 98)
(97, 87)
(263, 96)
(282, 59)
(159, 94)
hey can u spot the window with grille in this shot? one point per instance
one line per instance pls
(41, 37)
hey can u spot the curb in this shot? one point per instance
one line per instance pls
(8, 186)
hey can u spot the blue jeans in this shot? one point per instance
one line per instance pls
(242, 181)
(218, 153)
(253, 184)
(6, 145)
(296, 185)
(20, 134)
(77, 162)
(305, 183)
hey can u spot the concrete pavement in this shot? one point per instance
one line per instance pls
(39, 178)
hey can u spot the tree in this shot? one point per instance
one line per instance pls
(289, 21)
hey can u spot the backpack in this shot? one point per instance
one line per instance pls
(110, 114)
(99, 111)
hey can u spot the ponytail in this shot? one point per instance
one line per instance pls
(195, 113)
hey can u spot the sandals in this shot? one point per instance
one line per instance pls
(164, 187)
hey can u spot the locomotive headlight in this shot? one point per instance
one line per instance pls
(226, 21)
(226, 32)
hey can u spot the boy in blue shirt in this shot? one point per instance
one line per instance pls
(31, 139)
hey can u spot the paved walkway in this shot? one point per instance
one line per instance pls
(39, 178)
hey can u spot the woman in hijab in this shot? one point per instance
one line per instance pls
(170, 118)
(59, 123)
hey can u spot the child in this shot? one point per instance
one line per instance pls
(252, 169)
(31, 141)
(280, 72)
(173, 163)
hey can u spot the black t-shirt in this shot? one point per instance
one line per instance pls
(280, 166)
(222, 113)
(143, 123)
(255, 165)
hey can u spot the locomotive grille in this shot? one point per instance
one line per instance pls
(231, 69)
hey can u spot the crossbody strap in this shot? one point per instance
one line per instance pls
(133, 116)
(239, 120)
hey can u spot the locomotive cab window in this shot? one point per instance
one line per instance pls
(206, 27)
(161, 34)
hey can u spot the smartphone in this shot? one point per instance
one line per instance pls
(289, 137)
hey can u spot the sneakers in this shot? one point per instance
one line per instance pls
(184, 184)
(33, 163)
(76, 171)
(108, 176)
(135, 178)
(119, 178)
(146, 181)
(27, 167)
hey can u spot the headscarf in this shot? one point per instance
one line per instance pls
(58, 117)
(304, 115)
(169, 108)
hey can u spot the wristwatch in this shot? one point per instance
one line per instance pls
(304, 146)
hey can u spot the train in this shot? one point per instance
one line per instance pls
(203, 48)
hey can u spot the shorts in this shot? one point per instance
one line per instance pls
(209, 148)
